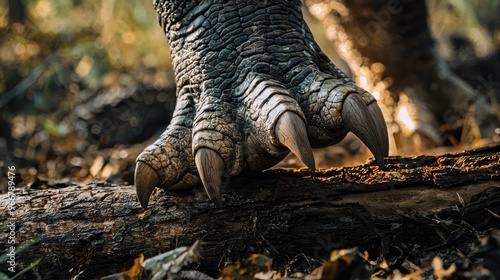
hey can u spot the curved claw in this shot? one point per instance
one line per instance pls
(367, 124)
(210, 168)
(146, 179)
(291, 132)
(381, 126)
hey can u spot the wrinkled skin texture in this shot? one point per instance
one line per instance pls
(252, 85)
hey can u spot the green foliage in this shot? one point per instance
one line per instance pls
(5, 257)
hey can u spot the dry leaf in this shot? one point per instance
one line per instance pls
(172, 262)
(132, 274)
(248, 268)
(439, 272)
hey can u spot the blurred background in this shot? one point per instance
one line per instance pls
(86, 85)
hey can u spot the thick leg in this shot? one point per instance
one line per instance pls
(252, 86)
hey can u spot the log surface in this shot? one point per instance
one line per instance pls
(293, 216)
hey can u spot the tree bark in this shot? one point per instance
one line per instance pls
(295, 217)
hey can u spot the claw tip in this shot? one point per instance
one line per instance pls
(210, 168)
(146, 179)
(367, 122)
(291, 132)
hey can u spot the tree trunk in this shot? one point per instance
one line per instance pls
(442, 202)
(390, 50)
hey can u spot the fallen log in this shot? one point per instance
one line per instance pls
(415, 206)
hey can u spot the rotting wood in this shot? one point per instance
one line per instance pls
(98, 229)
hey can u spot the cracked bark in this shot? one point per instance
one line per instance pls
(97, 229)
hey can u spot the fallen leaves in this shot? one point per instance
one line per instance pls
(342, 264)
(160, 266)
(248, 268)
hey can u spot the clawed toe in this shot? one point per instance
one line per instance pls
(368, 124)
(291, 132)
(210, 167)
(146, 180)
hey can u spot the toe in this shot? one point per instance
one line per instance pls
(274, 122)
(168, 163)
(336, 107)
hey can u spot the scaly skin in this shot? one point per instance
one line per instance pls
(252, 85)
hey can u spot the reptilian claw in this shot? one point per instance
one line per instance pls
(291, 132)
(367, 124)
(210, 168)
(381, 126)
(146, 180)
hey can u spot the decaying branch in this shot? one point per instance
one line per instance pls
(427, 201)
